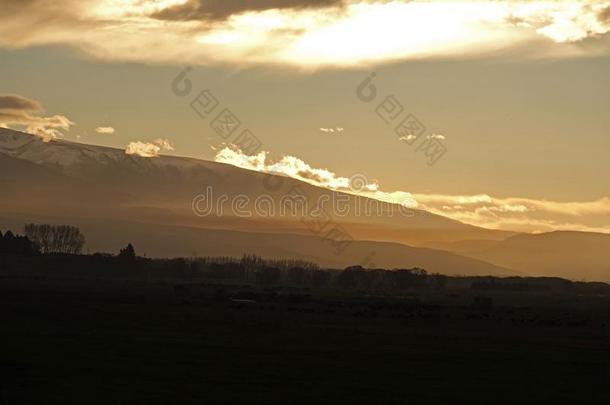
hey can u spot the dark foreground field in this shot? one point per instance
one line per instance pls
(85, 342)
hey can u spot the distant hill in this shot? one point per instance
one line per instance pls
(576, 255)
(569, 254)
(154, 240)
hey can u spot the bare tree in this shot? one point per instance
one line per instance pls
(56, 238)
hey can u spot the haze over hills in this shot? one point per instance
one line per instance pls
(580, 255)
(118, 198)
(569, 254)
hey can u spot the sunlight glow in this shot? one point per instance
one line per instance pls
(357, 34)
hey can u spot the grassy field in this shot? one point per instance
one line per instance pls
(77, 342)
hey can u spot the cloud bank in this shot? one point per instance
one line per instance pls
(514, 214)
(307, 34)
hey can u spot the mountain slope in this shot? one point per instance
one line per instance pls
(169, 184)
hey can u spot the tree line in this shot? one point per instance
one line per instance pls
(252, 269)
(56, 249)
(43, 238)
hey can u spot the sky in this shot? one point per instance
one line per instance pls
(511, 98)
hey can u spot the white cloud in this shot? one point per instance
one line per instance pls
(334, 130)
(407, 138)
(142, 149)
(164, 144)
(288, 165)
(149, 149)
(105, 130)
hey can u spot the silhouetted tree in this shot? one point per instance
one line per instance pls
(5, 243)
(409, 278)
(127, 254)
(16, 245)
(56, 238)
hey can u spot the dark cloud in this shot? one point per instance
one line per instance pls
(16, 102)
(222, 9)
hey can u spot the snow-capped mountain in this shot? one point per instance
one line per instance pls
(72, 157)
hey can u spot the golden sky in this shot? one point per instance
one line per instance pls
(518, 92)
